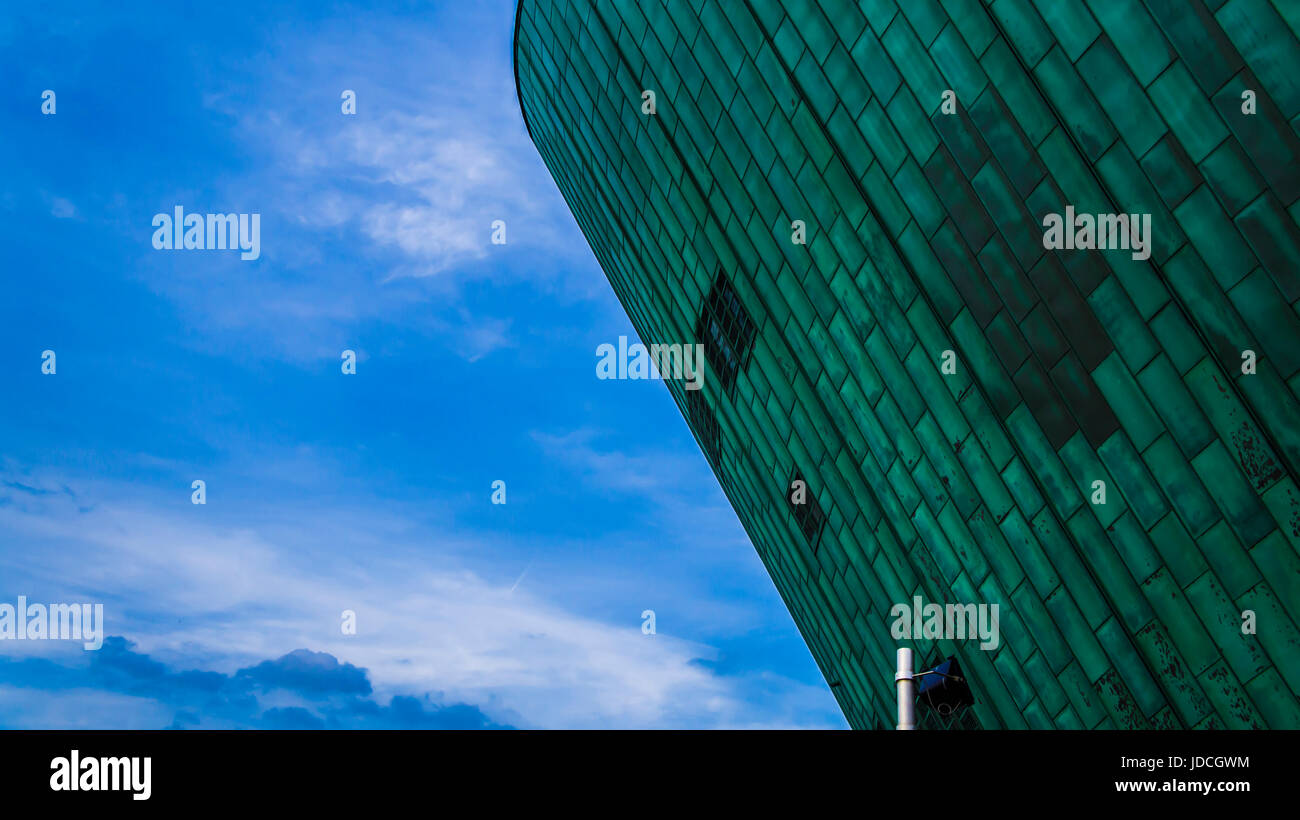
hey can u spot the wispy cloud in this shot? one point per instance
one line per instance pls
(435, 153)
(614, 469)
(379, 219)
(61, 208)
(228, 595)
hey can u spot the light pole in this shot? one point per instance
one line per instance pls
(906, 690)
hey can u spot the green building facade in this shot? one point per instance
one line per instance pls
(949, 391)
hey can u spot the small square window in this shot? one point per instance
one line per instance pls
(807, 513)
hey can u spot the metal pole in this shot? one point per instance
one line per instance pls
(906, 691)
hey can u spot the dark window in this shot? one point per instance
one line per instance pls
(705, 425)
(726, 332)
(807, 514)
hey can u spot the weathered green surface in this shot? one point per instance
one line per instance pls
(924, 235)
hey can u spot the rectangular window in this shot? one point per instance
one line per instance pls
(726, 332)
(807, 514)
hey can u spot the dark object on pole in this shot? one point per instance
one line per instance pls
(944, 688)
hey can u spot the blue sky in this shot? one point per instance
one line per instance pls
(326, 492)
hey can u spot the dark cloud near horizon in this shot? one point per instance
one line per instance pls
(336, 695)
(309, 672)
